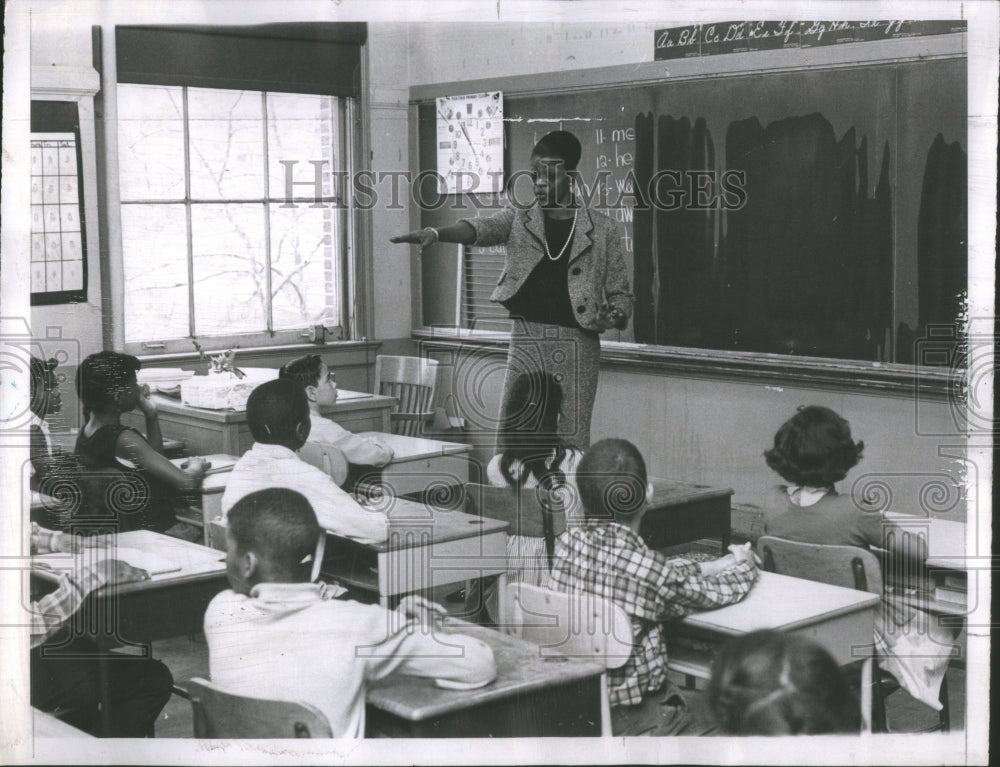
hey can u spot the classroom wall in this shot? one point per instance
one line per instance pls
(705, 430)
(69, 332)
(711, 430)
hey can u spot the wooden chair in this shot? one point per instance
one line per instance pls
(219, 714)
(528, 513)
(849, 567)
(412, 381)
(578, 625)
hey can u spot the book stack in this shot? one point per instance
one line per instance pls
(952, 588)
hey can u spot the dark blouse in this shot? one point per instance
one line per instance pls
(544, 296)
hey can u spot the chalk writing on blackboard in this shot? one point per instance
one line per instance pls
(748, 36)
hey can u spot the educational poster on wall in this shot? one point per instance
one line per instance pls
(58, 263)
(470, 143)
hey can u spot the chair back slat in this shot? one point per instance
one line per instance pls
(219, 714)
(577, 625)
(524, 511)
(412, 381)
(846, 566)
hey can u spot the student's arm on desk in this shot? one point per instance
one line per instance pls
(364, 449)
(684, 587)
(415, 648)
(343, 516)
(134, 448)
(52, 610)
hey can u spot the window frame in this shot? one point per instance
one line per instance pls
(355, 229)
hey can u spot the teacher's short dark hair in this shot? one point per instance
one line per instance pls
(814, 448)
(561, 144)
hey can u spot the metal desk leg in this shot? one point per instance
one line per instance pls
(866, 695)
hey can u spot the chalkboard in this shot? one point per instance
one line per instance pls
(816, 212)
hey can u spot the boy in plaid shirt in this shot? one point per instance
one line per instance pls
(605, 556)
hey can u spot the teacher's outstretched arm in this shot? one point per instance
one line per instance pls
(460, 233)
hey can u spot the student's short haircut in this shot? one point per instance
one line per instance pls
(772, 683)
(302, 370)
(274, 409)
(39, 371)
(279, 525)
(611, 479)
(814, 448)
(103, 376)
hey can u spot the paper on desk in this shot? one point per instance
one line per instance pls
(153, 564)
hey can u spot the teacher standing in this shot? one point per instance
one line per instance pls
(564, 281)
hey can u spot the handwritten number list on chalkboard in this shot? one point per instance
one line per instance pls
(748, 36)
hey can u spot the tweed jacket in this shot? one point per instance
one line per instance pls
(596, 265)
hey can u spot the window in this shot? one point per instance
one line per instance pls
(212, 246)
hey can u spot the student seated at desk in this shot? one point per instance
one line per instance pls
(46, 399)
(107, 386)
(812, 451)
(278, 416)
(769, 683)
(312, 374)
(277, 635)
(605, 556)
(65, 672)
(530, 454)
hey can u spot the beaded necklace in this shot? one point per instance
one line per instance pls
(569, 239)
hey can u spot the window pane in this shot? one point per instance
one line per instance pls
(150, 142)
(230, 292)
(302, 129)
(305, 267)
(227, 144)
(154, 251)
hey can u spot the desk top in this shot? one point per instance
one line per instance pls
(414, 448)
(196, 561)
(520, 669)
(407, 517)
(946, 547)
(222, 464)
(346, 402)
(782, 603)
(670, 492)
(48, 726)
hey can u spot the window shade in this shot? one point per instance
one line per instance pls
(482, 269)
(299, 58)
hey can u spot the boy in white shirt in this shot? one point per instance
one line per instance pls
(315, 378)
(278, 416)
(277, 635)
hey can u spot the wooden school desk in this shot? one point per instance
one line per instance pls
(946, 556)
(212, 487)
(206, 431)
(841, 620)
(45, 725)
(418, 465)
(170, 604)
(425, 548)
(532, 696)
(681, 512)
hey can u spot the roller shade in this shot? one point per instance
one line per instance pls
(298, 58)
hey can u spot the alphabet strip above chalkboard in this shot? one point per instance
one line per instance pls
(747, 36)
